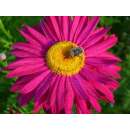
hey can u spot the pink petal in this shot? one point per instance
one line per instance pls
(53, 98)
(80, 28)
(23, 54)
(27, 48)
(86, 91)
(22, 81)
(31, 45)
(37, 35)
(55, 26)
(107, 55)
(48, 29)
(96, 37)
(30, 69)
(74, 26)
(66, 27)
(43, 87)
(81, 106)
(101, 61)
(102, 46)
(94, 103)
(89, 29)
(34, 83)
(69, 97)
(25, 98)
(60, 94)
(111, 70)
(29, 38)
(104, 90)
(25, 61)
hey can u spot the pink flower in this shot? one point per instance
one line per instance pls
(65, 63)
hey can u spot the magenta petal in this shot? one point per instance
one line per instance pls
(102, 46)
(25, 61)
(22, 81)
(76, 83)
(30, 45)
(107, 55)
(60, 94)
(30, 69)
(105, 91)
(43, 87)
(34, 83)
(37, 35)
(95, 103)
(85, 92)
(56, 26)
(25, 98)
(29, 38)
(48, 28)
(66, 27)
(80, 28)
(74, 26)
(23, 54)
(81, 106)
(69, 97)
(111, 70)
(96, 37)
(27, 48)
(87, 31)
(101, 61)
(16, 87)
(53, 98)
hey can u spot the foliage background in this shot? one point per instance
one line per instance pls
(9, 34)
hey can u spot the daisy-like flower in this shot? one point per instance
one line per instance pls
(65, 65)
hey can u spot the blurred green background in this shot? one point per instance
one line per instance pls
(9, 26)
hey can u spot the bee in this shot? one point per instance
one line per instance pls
(76, 51)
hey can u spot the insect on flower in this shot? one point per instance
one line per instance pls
(65, 63)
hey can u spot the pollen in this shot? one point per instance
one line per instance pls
(65, 58)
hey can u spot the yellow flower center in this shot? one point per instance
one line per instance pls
(61, 60)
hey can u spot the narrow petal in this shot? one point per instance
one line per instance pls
(25, 61)
(61, 94)
(102, 46)
(101, 61)
(66, 27)
(27, 48)
(23, 54)
(74, 26)
(29, 38)
(96, 37)
(34, 83)
(81, 106)
(88, 30)
(80, 28)
(48, 28)
(37, 35)
(31, 45)
(69, 97)
(56, 26)
(43, 87)
(25, 98)
(22, 81)
(53, 98)
(83, 88)
(105, 91)
(30, 69)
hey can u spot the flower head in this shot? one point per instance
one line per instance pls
(65, 63)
